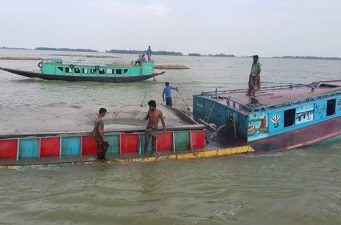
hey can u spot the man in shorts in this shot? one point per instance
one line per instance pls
(153, 116)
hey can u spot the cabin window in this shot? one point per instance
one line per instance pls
(125, 71)
(289, 117)
(331, 107)
(60, 68)
(101, 71)
(77, 70)
(68, 70)
(119, 71)
(109, 71)
(85, 71)
(93, 70)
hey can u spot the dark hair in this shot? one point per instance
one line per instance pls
(102, 110)
(256, 56)
(167, 83)
(152, 103)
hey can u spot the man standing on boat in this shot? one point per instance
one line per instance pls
(167, 92)
(102, 145)
(149, 53)
(254, 79)
(153, 116)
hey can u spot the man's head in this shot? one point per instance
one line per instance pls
(149, 46)
(152, 105)
(102, 112)
(255, 58)
(167, 83)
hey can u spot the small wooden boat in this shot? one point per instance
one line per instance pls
(278, 117)
(56, 69)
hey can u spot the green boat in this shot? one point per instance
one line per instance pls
(56, 69)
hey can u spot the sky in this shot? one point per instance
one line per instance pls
(240, 27)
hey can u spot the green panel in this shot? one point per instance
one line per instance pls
(114, 144)
(142, 141)
(181, 141)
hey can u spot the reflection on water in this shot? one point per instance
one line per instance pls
(293, 187)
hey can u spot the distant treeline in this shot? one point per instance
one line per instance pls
(211, 55)
(309, 57)
(13, 48)
(66, 49)
(139, 52)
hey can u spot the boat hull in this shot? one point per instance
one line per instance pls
(317, 133)
(112, 79)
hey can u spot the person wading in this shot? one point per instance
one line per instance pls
(153, 116)
(254, 79)
(102, 145)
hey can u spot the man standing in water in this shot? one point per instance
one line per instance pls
(102, 145)
(167, 92)
(149, 54)
(153, 116)
(254, 79)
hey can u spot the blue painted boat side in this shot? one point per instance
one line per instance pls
(275, 122)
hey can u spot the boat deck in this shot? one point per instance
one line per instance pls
(277, 96)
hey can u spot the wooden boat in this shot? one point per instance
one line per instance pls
(128, 142)
(56, 69)
(280, 117)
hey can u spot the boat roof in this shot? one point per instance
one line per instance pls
(273, 97)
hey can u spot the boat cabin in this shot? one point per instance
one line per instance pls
(273, 111)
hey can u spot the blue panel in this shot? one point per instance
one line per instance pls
(276, 121)
(320, 110)
(71, 146)
(258, 126)
(29, 148)
(198, 107)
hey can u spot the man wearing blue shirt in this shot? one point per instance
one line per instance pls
(149, 53)
(167, 92)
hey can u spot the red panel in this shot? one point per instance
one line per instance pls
(8, 149)
(129, 143)
(198, 139)
(49, 147)
(89, 146)
(164, 142)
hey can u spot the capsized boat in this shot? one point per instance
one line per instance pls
(56, 69)
(279, 117)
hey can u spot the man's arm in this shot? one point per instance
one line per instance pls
(147, 116)
(163, 95)
(174, 88)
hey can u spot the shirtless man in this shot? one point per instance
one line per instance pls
(153, 117)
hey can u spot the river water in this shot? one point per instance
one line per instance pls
(301, 186)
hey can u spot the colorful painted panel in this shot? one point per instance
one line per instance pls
(164, 142)
(29, 148)
(258, 126)
(129, 143)
(71, 146)
(181, 141)
(89, 145)
(275, 121)
(49, 147)
(304, 114)
(198, 139)
(114, 144)
(320, 110)
(8, 149)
